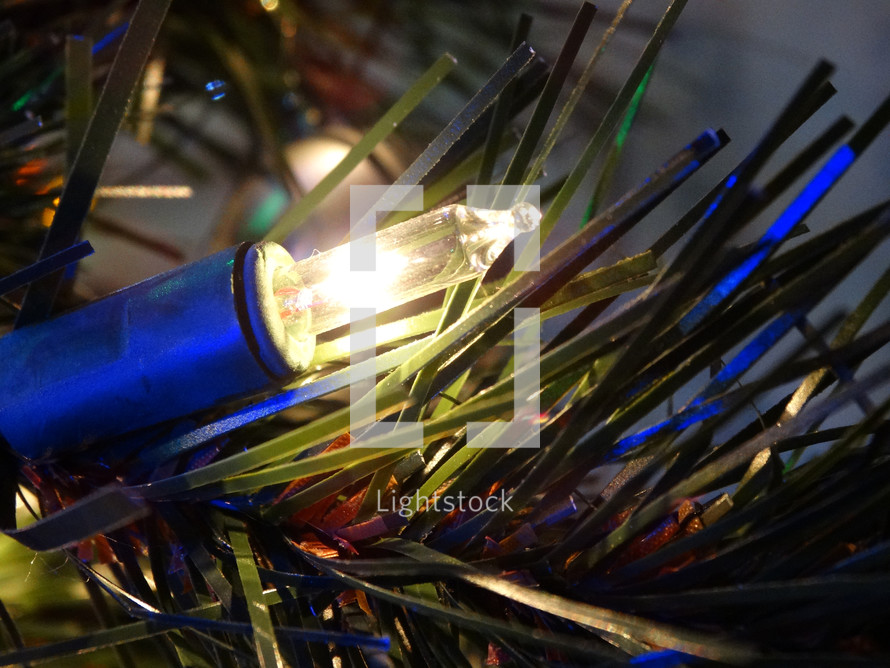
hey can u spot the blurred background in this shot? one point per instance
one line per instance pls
(254, 101)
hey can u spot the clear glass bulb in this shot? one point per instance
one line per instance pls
(414, 258)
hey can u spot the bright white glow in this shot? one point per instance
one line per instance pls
(355, 289)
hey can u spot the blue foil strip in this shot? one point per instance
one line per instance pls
(750, 354)
(798, 210)
(45, 266)
(110, 36)
(666, 658)
(703, 406)
(682, 420)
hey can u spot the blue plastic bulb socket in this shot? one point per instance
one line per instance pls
(175, 344)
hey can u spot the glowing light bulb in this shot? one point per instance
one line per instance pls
(414, 258)
(226, 327)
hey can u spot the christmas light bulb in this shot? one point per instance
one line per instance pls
(414, 258)
(227, 327)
